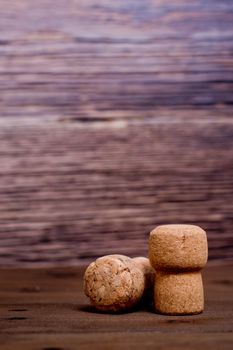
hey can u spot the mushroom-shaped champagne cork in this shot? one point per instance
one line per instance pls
(178, 253)
(117, 282)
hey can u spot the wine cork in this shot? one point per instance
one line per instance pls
(178, 253)
(117, 282)
(179, 293)
(148, 272)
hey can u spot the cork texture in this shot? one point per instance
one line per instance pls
(178, 293)
(178, 253)
(178, 247)
(114, 283)
(148, 272)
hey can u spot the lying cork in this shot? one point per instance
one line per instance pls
(148, 272)
(178, 253)
(117, 282)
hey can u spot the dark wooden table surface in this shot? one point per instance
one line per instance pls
(114, 117)
(45, 309)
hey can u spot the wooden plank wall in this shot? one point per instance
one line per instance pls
(115, 116)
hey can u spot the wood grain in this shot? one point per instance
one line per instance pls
(114, 117)
(46, 309)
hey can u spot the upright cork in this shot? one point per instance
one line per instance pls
(117, 283)
(178, 253)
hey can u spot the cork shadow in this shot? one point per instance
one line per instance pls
(90, 309)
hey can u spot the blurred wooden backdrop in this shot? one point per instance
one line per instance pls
(115, 116)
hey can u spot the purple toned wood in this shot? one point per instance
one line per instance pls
(47, 309)
(114, 117)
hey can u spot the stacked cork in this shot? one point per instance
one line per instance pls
(177, 253)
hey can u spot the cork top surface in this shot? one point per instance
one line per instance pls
(178, 247)
(179, 229)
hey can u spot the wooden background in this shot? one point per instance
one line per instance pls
(115, 116)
